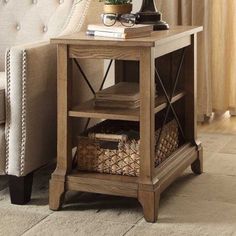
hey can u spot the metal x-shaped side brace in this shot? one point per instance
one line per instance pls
(169, 98)
(89, 84)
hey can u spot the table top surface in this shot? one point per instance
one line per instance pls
(156, 38)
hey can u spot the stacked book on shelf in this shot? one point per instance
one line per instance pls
(121, 95)
(120, 31)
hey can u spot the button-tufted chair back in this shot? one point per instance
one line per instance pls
(24, 21)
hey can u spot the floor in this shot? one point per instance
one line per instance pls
(193, 205)
(223, 124)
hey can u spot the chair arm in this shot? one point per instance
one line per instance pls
(30, 107)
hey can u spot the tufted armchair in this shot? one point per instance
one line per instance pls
(28, 83)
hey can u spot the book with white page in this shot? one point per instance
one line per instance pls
(120, 28)
(118, 35)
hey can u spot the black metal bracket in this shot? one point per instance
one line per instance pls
(169, 98)
(89, 84)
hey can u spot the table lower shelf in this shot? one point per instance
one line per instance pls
(128, 186)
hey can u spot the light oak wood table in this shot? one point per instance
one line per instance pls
(148, 59)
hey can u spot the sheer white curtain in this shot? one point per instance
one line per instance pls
(216, 48)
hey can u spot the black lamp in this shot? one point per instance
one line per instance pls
(149, 14)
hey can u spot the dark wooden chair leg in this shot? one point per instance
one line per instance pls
(20, 188)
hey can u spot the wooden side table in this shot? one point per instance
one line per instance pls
(152, 180)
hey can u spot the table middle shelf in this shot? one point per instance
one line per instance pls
(88, 109)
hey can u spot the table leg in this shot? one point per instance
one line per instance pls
(64, 146)
(150, 203)
(148, 197)
(197, 166)
(191, 102)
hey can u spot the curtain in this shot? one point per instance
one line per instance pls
(216, 49)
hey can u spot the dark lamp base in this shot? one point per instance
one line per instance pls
(160, 25)
(152, 18)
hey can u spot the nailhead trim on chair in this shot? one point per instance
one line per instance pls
(74, 22)
(80, 24)
(83, 15)
(8, 90)
(69, 17)
(23, 112)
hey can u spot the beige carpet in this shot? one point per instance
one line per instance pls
(193, 205)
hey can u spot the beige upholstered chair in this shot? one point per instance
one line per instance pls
(28, 83)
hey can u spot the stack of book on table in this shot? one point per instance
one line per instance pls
(120, 31)
(121, 95)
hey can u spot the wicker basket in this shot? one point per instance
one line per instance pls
(113, 147)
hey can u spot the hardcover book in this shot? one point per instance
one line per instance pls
(121, 29)
(123, 91)
(118, 35)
